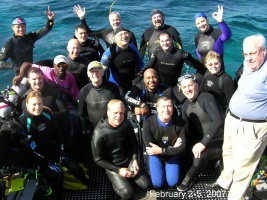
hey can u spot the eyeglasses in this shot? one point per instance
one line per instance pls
(211, 64)
(62, 65)
(186, 76)
(252, 54)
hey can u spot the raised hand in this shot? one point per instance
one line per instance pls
(218, 16)
(50, 14)
(80, 12)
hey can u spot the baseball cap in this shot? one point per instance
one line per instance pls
(60, 59)
(121, 28)
(94, 64)
(201, 14)
(18, 20)
(156, 11)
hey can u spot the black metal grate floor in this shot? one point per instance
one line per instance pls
(105, 190)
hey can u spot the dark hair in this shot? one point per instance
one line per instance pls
(164, 32)
(34, 70)
(164, 98)
(80, 26)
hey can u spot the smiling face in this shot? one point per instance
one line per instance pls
(165, 110)
(214, 66)
(74, 48)
(34, 105)
(165, 42)
(36, 81)
(122, 39)
(202, 24)
(190, 89)
(19, 29)
(115, 20)
(151, 80)
(81, 35)
(96, 76)
(157, 20)
(115, 113)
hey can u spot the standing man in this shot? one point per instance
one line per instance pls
(107, 35)
(144, 95)
(122, 60)
(114, 148)
(77, 64)
(204, 124)
(164, 137)
(91, 49)
(94, 97)
(150, 38)
(19, 48)
(245, 131)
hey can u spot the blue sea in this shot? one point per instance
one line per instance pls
(242, 16)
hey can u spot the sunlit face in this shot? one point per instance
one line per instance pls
(35, 106)
(116, 114)
(122, 38)
(202, 24)
(81, 35)
(96, 76)
(214, 66)
(19, 29)
(254, 56)
(36, 81)
(151, 80)
(115, 21)
(190, 89)
(157, 20)
(165, 42)
(165, 110)
(74, 49)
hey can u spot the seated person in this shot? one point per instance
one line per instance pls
(217, 82)
(204, 124)
(114, 148)
(164, 138)
(143, 96)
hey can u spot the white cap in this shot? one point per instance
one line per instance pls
(60, 59)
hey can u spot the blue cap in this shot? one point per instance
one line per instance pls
(18, 20)
(201, 14)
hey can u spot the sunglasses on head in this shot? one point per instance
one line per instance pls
(186, 76)
(62, 65)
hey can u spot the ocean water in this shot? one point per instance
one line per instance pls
(242, 16)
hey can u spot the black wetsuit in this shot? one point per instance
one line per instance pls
(91, 49)
(93, 101)
(107, 35)
(53, 99)
(20, 49)
(221, 86)
(150, 39)
(123, 64)
(205, 125)
(78, 68)
(139, 94)
(114, 148)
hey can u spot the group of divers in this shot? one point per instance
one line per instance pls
(71, 95)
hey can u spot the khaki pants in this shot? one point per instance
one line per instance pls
(244, 143)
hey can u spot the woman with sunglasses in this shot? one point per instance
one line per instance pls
(216, 81)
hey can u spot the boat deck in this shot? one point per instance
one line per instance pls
(105, 190)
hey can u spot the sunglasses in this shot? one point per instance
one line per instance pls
(211, 64)
(62, 65)
(186, 76)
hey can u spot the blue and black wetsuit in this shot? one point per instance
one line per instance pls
(165, 136)
(212, 40)
(139, 94)
(123, 64)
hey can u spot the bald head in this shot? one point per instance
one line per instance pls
(74, 48)
(151, 79)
